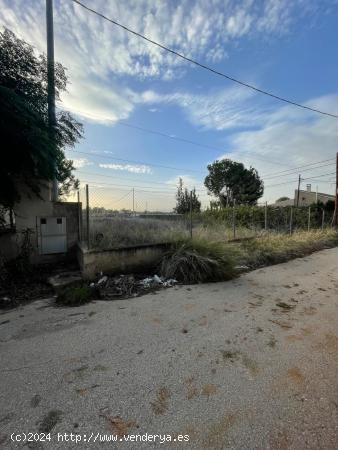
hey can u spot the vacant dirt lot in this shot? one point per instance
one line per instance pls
(246, 364)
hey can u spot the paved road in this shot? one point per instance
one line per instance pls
(221, 363)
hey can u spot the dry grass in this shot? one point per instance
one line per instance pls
(221, 233)
(123, 231)
(276, 248)
(120, 231)
(198, 260)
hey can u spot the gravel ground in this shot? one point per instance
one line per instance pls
(247, 364)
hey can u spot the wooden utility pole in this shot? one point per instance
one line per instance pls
(266, 216)
(51, 84)
(87, 216)
(336, 202)
(190, 214)
(234, 221)
(309, 219)
(299, 179)
(291, 220)
(133, 202)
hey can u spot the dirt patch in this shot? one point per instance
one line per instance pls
(250, 364)
(294, 338)
(76, 374)
(216, 436)
(189, 306)
(119, 426)
(209, 389)
(84, 391)
(192, 392)
(203, 321)
(161, 403)
(296, 375)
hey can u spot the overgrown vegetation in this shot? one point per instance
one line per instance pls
(20, 281)
(197, 261)
(185, 200)
(200, 260)
(76, 295)
(119, 232)
(276, 248)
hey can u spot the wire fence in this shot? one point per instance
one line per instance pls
(111, 218)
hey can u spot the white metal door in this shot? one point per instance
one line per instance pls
(53, 235)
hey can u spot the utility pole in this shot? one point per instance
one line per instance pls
(133, 202)
(266, 216)
(87, 216)
(51, 84)
(299, 180)
(336, 203)
(190, 214)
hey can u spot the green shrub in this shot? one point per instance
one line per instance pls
(198, 260)
(76, 295)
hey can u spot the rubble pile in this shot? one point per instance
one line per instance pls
(126, 286)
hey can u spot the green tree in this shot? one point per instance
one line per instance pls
(232, 183)
(30, 155)
(183, 200)
(282, 199)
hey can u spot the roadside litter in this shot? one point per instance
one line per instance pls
(125, 286)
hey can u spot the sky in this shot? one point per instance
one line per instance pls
(120, 86)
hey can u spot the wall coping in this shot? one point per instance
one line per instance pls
(127, 247)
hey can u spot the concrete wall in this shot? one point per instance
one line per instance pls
(27, 215)
(70, 210)
(140, 258)
(307, 198)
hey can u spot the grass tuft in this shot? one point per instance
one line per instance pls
(76, 295)
(198, 260)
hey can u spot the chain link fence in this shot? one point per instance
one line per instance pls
(104, 224)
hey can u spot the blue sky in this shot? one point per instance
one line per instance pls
(286, 47)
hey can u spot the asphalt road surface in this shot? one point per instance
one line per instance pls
(246, 364)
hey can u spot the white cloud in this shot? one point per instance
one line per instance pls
(128, 168)
(81, 162)
(97, 52)
(219, 110)
(289, 138)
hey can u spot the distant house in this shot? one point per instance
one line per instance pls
(306, 198)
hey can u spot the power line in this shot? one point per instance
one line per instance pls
(101, 155)
(116, 187)
(280, 184)
(135, 162)
(294, 172)
(126, 178)
(142, 188)
(294, 181)
(203, 66)
(318, 176)
(300, 167)
(180, 139)
(124, 196)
